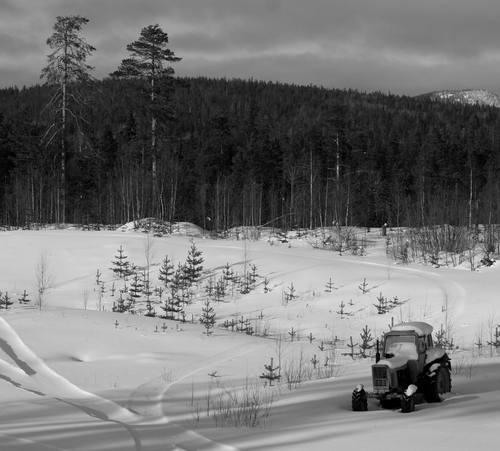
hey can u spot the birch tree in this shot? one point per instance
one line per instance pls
(68, 73)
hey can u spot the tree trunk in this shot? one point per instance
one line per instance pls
(63, 145)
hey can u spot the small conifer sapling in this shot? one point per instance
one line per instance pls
(24, 298)
(366, 343)
(166, 272)
(271, 374)
(121, 265)
(194, 264)
(208, 317)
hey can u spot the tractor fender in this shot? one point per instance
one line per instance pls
(436, 354)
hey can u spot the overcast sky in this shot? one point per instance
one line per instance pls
(403, 46)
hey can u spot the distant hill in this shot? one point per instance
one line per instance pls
(467, 96)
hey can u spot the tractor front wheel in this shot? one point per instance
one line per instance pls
(359, 400)
(407, 403)
(438, 384)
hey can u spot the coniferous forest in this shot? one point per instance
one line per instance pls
(235, 152)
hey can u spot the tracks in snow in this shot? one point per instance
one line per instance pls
(30, 373)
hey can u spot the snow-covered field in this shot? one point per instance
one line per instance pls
(76, 378)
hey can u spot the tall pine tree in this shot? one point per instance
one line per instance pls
(68, 73)
(155, 82)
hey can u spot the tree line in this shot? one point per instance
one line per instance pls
(224, 153)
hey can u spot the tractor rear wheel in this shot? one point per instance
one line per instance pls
(438, 384)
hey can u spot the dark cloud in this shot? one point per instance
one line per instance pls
(387, 45)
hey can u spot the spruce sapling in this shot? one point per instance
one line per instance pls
(136, 286)
(150, 311)
(383, 305)
(166, 272)
(330, 286)
(220, 290)
(314, 361)
(208, 317)
(271, 373)
(495, 340)
(242, 325)
(366, 341)
(228, 274)
(121, 265)
(194, 267)
(24, 298)
(266, 285)
(351, 346)
(5, 300)
(364, 287)
(253, 275)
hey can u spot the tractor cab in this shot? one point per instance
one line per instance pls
(403, 357)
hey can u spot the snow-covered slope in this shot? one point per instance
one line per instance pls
(75, 378)
(467, 96)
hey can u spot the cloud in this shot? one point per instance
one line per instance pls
(335, 43)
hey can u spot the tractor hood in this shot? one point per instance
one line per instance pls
(401, 353)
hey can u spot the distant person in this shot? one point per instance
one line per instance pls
(384, 229)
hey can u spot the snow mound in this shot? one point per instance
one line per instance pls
(160, 228)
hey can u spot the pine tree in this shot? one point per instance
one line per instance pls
(146, 65)
(67, 72)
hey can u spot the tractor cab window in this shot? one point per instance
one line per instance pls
(393, 343)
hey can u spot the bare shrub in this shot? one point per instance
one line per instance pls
(85, 295)
(339, 239)
(466, 365)
(433, 244)
(247, 406)
(332, 366)
(449, 310)
(296, 369)
(44, 279)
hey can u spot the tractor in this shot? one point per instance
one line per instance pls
(410, 369)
